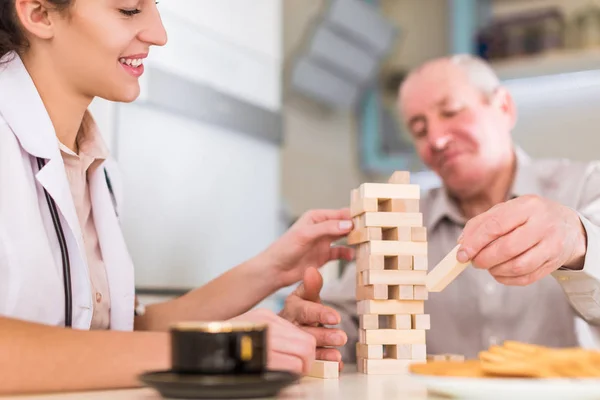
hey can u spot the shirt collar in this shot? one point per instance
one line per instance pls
(525, 182)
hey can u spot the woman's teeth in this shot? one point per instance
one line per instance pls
(136, 62)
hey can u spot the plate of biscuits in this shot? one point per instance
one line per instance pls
(515, 370)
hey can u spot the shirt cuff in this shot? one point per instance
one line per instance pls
(582, 287)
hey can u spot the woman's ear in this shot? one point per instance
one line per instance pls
(34, 18)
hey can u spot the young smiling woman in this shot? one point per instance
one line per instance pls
(63, 258)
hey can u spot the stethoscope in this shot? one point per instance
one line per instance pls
(64, 251)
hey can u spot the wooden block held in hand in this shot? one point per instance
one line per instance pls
(389, 191)
(372, 352)
(445, 272)
(325, 369)
(400, 178)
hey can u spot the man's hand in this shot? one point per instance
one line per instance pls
(289, 348)
(303, 308)
(523, 240)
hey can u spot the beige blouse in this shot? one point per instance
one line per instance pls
(92, 152)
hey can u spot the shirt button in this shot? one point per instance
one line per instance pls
(489, 288)
(98, 297)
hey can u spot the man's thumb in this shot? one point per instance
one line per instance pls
(311, 285)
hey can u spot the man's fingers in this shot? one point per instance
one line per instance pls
(327, 337)
(525, 280)
(509, 246)
(329, 354)
(523, 264)
(331, 229)
(489, 226)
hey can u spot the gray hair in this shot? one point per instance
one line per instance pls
(478, 72)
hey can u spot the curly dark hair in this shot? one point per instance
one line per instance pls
(12, 37)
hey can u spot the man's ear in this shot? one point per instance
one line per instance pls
(34, 18)
(503, 101)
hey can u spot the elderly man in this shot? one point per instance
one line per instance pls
(530, 228)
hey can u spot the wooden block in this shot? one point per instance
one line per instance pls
(436, 357)
(390, 307)
(420, 263)
(400, 178)
(408, 206)
(386, 367)
(325, 369)
(419, 352)
(401, 234)
(420, 292)
(445, 272)
(418, 234)
(372, 262)
(455, 357)
(401, 292)
(362, 235)
(358, 222)
(389, 191)
(360, 365)
(389, 248)
(400, 351)
(403, 321)
(391, 336)
(389, 219)
(361, 206)
(368, 322)
(372, 292)
(402, 263)
(389, 277)
(421, 321)
(371, 352)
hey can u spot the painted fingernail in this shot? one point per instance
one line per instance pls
(462, 256)
(345, 225)
(330, 319)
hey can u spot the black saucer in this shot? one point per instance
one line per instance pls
(183, 386)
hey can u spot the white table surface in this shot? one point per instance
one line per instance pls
(351, 385)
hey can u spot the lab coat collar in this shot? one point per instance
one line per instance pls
(22, 108)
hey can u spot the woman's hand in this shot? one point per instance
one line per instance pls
(308, 244)
(289, 347)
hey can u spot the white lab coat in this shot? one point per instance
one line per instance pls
(31, 282)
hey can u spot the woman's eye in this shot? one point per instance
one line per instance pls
(130, 13)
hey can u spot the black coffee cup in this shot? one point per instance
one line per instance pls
(218, 348)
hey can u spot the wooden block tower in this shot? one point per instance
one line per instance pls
(391, 270)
